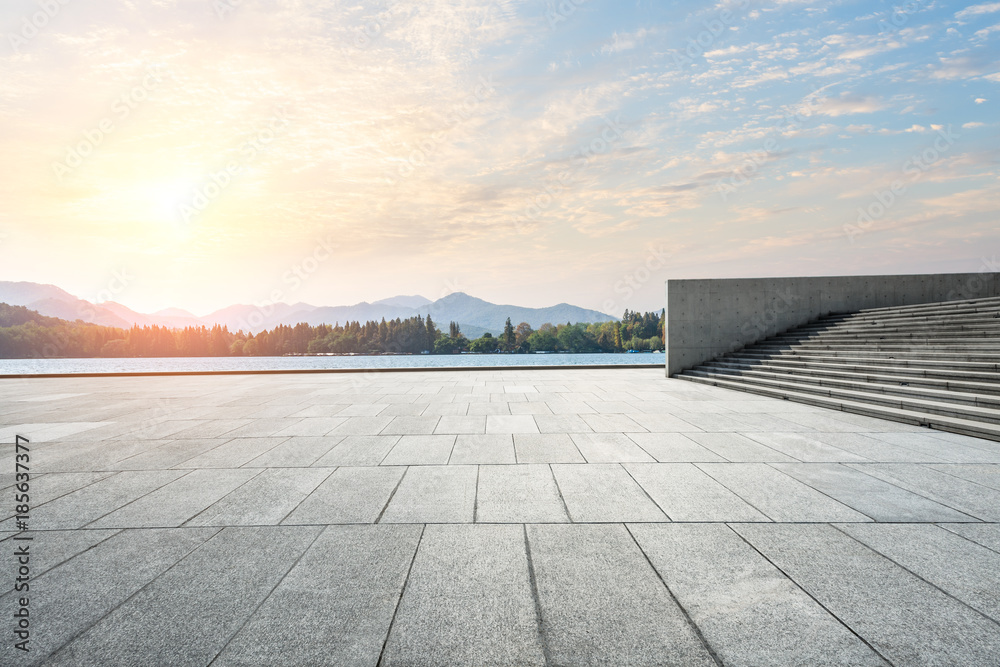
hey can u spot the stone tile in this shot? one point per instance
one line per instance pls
(597, 493)
(175, 503)
(358, 450)
(562, 423)
(511, 424)
(609, 448)
(421, 450)
(362, 410)
(968, 498)
(612, 424)
(410, 426)
(168, 455)
(461, 424)
(873, 449)
(335, 606)
(957, 566)
(601, 602)
(348, 495)
(984, 534)
(47, 488)
(748, 611)
(685, 493)
(518, 494)
(233, 454)
(263, 428)
(494, 409)
(363, 425)
(529, 408)
(296, 452)
(473, 449)
(673, 448)
(264, 500)
(312, 426)
(71, 598)
(434, 494)
(546, 448)
(189, 613)
(948, 452)
(658, 423)
(467, 582)
(778, 496)
(905, 619)
(871, 496)
(51, 548)
(983, 474)
(803, 447)
(738, 448)
(90, 503)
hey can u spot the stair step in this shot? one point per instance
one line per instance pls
(975, 370)
(907, 403)
(952, 381)
(943, 423)
(893, 389)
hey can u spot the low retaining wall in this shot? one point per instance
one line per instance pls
(708, 318)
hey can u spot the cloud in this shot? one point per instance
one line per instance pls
(976, 10)
(973, 125)
(849, 103)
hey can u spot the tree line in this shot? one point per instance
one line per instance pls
(26, 334)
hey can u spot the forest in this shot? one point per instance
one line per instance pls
(26, 334)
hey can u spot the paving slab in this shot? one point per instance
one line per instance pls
(475, 449)
(77, 509)
(778, 496)
(434, 494)
(802, 447)
(685, 493)
(975, 501)
(419, 450)
(358, 450)
(335, 606)
(468, 601)
(986, 474)
(749, 612)
(348, 495)
(264, 500)
(907, 620)
(71, 598)
(296, 452)
(50, 548)
(609, 448)
(603, 604)
(174, 503)
(518, 494)
(737, 448)
(455, 424)
(189, 614)
(546, 448)
(233, 453)
(959, 567)
(599, 493)
(410, 425)
(511, 424)
(869, 495)
(673, 448)
(984, 534)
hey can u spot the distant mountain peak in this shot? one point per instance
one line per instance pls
(402, 301)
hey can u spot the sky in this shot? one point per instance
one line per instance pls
(201, 153)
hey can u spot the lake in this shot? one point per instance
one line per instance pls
(208, 364)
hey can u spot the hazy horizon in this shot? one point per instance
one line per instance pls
(194, 154)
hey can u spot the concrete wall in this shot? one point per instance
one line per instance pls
(708, 318)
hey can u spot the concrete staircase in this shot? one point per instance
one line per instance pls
(935, 364)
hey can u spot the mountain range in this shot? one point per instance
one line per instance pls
(474, 316)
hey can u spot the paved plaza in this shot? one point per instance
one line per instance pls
(515, 517)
